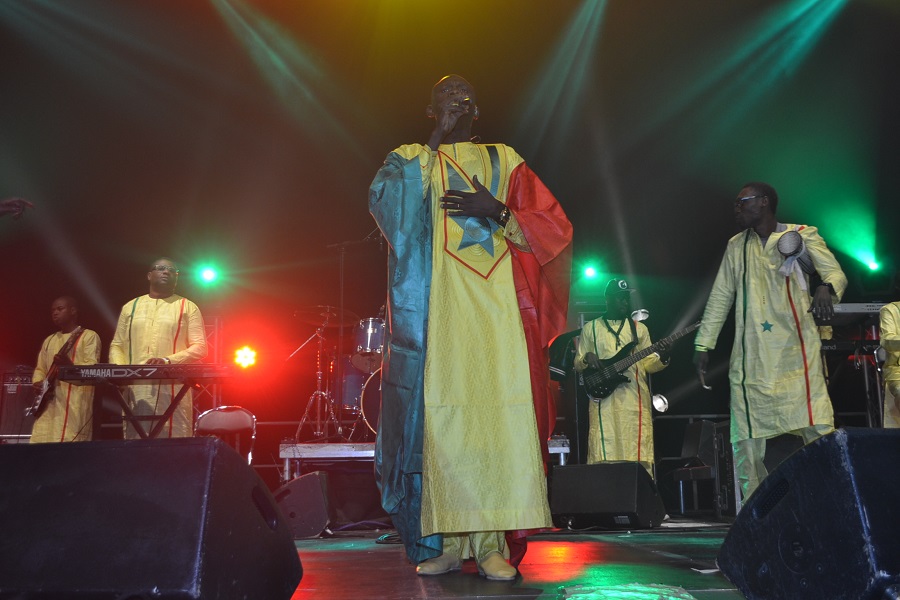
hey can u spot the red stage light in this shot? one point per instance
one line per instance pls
(245, 356)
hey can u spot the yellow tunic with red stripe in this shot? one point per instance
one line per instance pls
(776, 371)
(159, 328)
(67, 417)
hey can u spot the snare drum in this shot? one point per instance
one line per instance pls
(369, 345)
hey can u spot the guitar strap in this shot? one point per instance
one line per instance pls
(69, 345)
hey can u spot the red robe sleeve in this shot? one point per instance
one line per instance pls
(542, 282)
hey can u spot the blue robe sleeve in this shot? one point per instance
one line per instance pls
(401, 205)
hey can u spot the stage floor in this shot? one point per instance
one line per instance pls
(676, 560)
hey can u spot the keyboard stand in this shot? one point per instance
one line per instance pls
(160, 420)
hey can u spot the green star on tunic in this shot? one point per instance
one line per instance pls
(477, 230)
(766, 326)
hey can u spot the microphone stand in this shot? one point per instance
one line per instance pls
(339, 375)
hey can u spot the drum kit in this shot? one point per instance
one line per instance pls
(355, 377)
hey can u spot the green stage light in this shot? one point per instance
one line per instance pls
(590, 272)
(874, 266)
(207, 275)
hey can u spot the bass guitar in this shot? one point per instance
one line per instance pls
(43, 396)
(601, 382)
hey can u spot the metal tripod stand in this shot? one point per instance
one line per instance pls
(321, 398)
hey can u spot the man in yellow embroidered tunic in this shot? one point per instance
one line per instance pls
(621, 424)
(776, 372)
(890, 341)
(66, 416)
(159, 328)
(478, 268)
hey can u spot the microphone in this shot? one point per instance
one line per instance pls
(464, 103)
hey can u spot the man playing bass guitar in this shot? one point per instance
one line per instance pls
(621, 426)
(63, 410)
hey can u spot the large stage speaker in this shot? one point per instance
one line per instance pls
(823, 524)
(304, 503)
(611, 495)
(175, 518)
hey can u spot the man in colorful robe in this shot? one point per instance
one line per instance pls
(776, 372)
(66, 416)
(478, 278)
(620, 425)
(159, 328)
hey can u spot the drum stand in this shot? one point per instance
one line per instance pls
(319, 398)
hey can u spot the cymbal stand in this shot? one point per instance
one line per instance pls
(319, 397)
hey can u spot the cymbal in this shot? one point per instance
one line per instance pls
(326, 316)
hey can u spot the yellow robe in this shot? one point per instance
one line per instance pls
(776, 371)
(621, 425)
(159, 328)
(890, 341)
(67, 417)
(482, 465)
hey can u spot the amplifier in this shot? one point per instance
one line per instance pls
(16, 395)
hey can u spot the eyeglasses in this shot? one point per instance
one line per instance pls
(169, 268)
(740, 201)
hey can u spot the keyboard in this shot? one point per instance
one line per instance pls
(122, 374)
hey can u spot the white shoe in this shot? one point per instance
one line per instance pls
(439, 565)
(495, 568)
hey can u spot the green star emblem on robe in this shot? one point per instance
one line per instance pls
(477, 230)
(766, 326)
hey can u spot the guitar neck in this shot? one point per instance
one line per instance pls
(640, 355)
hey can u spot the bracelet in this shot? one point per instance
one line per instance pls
(168, 360)
(503, 219)
(828, 285)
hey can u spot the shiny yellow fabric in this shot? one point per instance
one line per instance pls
(482, 467)
(623, 429)
(159, 328)
(67, 417)
(890, 341)
(769, 367)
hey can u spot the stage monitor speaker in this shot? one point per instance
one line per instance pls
(823, 524)
(164, 519)
(610, 495)
(16, 395)
(304, 503)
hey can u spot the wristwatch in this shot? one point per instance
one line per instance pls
(503, 219)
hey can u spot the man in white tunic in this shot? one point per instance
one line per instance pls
(621, 424)
(159, 328)
(776, 372)
(66, 412)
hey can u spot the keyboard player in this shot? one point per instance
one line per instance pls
(159, 328)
